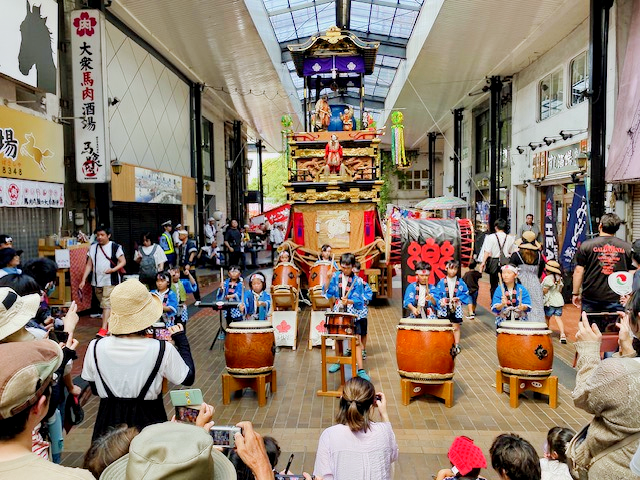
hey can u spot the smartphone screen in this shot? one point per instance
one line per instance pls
(61, 336)
(186, 414)
(224, 436)
(161, 333)
(605, 321)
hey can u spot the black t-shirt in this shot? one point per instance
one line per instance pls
(233, 237)
(471, 279)
(600, 257)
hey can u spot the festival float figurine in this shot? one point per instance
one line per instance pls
(333, 156)
(368, 123)
(347, 119)
(321, 119)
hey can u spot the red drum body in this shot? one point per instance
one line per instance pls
(320, 274)
(338, 323)
(285, 274)
(525, 349)
(249, 348)
(425, 350)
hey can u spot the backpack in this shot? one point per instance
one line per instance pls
(148, 267)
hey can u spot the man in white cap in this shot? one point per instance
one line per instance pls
(26, 380)
(210, 231)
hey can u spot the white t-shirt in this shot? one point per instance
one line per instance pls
(126, 363)
(159, 256)
(101, 262)
(491, 244)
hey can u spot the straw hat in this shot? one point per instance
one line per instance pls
(16, 311)
(553, 267)
(133, 308)
(528, 241)
(171, 450)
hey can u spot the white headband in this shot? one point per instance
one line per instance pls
(512, 268)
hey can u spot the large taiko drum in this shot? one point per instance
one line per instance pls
(249, 348)
(425, 350)
(525, 349)
(285, 274)
(340, 323)
(320, 274)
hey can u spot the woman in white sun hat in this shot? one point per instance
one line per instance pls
(127, 368)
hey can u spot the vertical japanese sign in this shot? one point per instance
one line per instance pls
(550, 231)
(576, 228)
(89, 97)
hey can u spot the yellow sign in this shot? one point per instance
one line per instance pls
(31, 148)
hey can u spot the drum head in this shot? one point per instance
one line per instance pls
(253, 325)
(520, 325)
(323, 262)
(425, 322)
(287, 264)
(340, 314)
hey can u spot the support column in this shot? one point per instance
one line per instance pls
(260, 184)
(457, 150)
(495, 85)
(432, 162)
(200, 205)
(598, 43)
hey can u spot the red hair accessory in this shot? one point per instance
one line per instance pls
(465, 455)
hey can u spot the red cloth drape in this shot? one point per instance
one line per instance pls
(370, 217)
(298, 228)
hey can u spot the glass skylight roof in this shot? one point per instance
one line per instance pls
(387, 21)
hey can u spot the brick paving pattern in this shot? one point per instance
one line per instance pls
(295, 416)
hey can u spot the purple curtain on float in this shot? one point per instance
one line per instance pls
(352, 64)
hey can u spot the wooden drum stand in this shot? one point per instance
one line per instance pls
(258, 383)
(339, 358)
(546, 386)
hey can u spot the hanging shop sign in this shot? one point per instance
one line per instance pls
(31, 148)
(158, 187)
(29, 39)
(577, 224)
(564, 160)
(23, 193)
(89, 96)
(550, 231)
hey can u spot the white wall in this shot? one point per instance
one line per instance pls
(150, 126)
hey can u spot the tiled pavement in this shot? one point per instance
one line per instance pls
(424, 429)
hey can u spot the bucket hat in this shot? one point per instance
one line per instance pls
(171, 450)
(16, 311)
(465, 455)
(133, 308)
(27, 370)
(553, 267)
(528, 241)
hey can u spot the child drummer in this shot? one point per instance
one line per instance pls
(418, 297)
(452, 293)
(346, 288)
(257, 302)
(231, 291)
(511, 301)
(362, 324)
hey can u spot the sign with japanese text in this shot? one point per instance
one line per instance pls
(93, 164)
(564, 160)
(31, 148)
(29, 39)
(577, 224)
(22, 193)
(550, 230)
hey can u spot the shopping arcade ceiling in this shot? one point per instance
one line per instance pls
(233, 48)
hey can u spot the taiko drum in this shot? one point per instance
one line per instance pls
(340, 323)
(285, 274)
(525, 349)
(425, 350)
(320, 274)
(249, 348)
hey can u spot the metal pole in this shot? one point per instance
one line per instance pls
(494, 114)
(361, 101)
(432, 162)
(457, 149)
(260, 184)
(599, 39)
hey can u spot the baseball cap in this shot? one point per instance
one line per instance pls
(27, 370)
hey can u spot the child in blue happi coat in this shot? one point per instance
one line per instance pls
(346, 289)
(511, 300)
(451, 294)
(257, 302)
(362, 324)
(418, 298)
(232, 290)
(168, 297)
(182, 287)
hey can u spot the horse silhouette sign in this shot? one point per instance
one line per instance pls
(29, 39)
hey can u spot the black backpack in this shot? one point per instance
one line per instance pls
(148, 267)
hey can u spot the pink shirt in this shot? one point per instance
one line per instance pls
(346, 455)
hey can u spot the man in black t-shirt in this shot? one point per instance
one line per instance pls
(596, 260)
(232, 241)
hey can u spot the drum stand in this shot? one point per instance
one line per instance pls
(338, 358)
(415, 388)
(220, 330)
(258, 383)
(547, 386)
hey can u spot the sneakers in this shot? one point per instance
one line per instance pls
(222, 335)
(563, 339)
(363, 374)
(472, 316)
(347, 352)
(364, 354)
(334, 367)
(457, 348)
(102, 333)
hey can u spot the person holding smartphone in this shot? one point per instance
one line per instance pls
(127, 368)
(358, 447)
